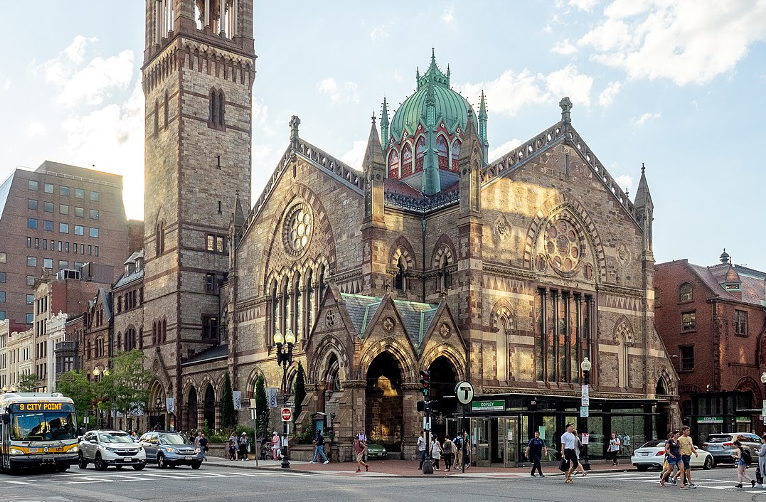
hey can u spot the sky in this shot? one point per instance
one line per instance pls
(676, 85)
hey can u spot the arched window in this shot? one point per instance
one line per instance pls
(159, 238)
(119, 341)
(167, 104)
(442, 151)
(407, 160)
(154, 333)
(221, 110)
(455, 154)
(164, 330)
(322, 285)
(285, 307)
(444, 275)
(297, 307)
(141, 338)
(274, 309)
(399, 280)
(212, 120)
(685, 293)
(420, 153)
(393, 165)
(309, 303)
(156, 116)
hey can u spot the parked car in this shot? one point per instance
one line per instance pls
(169, 449)
(721, 445)
(652, 454)
(376, 451)
(105, 448)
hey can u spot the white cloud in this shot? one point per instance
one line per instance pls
(355, 155)
(448, 16)
(586, 5)
(501, 150)
(607, 95)
(646, 117)
(36, 129)
(565, 47)
(683, 41)
(510, 92)
(625, 182)
(345, 92)
(6, 84)
(378, 32)
(93, 83)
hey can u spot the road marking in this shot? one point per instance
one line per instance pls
(15, 482)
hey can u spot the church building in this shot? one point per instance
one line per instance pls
(426, 257)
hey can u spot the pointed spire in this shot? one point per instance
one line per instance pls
(384, 124)
(373, 156)
(448, 74)
(483, 124)
(433, 56)
(482, 106)
(643, 196)
(239, 214)
(417, 73)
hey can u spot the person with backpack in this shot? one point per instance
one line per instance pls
(742, 458)
(203, 445)
(458, 442)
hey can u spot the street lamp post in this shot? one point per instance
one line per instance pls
(585, 366)
(284, 345)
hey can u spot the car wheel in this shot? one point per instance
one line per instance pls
(99, 463)
(708, 463)
(196, 465)
(138, 467)
(161, 462)
(642, 467)
(81, 462)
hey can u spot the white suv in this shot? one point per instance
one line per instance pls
(105, 448)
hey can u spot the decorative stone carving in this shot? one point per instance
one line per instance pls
(541, 263)
(388, 324)
(297, 229)
(622, 252)
(587, 271)
(562, 244)
(445, 330)
(329, 318)
(502, 228)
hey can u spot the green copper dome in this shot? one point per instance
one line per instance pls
(451, 109)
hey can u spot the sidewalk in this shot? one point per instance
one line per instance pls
(401, 468)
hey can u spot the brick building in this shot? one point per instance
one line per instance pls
(56, 217)
(713, 322)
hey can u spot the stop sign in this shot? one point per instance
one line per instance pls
(287, 414)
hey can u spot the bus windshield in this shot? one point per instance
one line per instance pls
(43, 426)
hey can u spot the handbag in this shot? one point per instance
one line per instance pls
(564, 465)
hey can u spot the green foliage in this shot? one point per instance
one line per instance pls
(307, 436)
(228, 417)
(75, 385)
(300, 391)
(27, 383)
(126, 388)
(262, 406)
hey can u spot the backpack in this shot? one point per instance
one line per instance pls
(458, 442)
(747, 456)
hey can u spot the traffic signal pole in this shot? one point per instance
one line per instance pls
(425, 381)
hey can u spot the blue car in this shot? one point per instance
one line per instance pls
(169, 449)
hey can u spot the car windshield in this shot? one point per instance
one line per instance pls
(654, 443)
(719, 439)
(172, 439)
(40, 426)
(114, 437)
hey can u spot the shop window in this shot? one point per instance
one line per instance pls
(689, 321)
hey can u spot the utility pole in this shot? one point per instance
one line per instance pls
(425, 381)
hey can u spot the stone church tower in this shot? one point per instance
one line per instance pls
(198, 71)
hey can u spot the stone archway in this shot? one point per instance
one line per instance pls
(191, 409)
(209, 406)
(384, 417)
(443, 380)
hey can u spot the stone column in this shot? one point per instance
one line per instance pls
(200, 416)
(412, 420)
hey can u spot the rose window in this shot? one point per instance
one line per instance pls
(562, 245)
(298, 227)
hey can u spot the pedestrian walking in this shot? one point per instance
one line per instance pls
(686, 446)
(360, 449)
(422, 447)
(673, 450)
(742, 457)
(578, 448)
(436, 452)
(448, 447)
(761, 463)
(203, 445)
(244, 446)
(535, 448)
(458, 443)
(275, 446)
(626, 443)
(196, 440)
(233, 440)
(319, 449)
(568, 445)
(614, 448)
(667, 469)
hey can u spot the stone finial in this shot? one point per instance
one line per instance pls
(294, 123)
(373, 117)
(724, 256)
(566, 107)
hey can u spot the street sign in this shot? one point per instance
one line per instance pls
(585, 438)
(253, 413)
(464, 392)
(287, 414)
(584, 411)
(170, 404)
(584, 401)
(236, 396)
(271, 396)
(585, 396)
(426, 423)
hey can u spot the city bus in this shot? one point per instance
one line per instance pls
(37, 430)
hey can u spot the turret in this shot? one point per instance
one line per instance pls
(470, 162)
(374, 173)
(384, 123)
(431, 183)
(644, 209)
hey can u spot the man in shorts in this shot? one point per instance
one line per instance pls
(360, 448)
(568, 445)
(687, 448)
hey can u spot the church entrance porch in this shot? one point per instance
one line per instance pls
(383, 403)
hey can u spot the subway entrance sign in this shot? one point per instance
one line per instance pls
(488, 406)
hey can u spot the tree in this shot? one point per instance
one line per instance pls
(300, 391)
(126, 388)
(28, 383)
(75, 385)
(228, 417)
(262, 407)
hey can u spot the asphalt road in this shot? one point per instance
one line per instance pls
(212, 483)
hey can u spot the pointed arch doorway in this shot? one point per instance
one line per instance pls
(384, 417)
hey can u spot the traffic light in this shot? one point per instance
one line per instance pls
(425, 381)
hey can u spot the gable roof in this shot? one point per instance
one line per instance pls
(753, 282)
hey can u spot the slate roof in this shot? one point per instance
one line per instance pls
(416, 317)
(126, 279)
(753, 282)
(217, 352)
